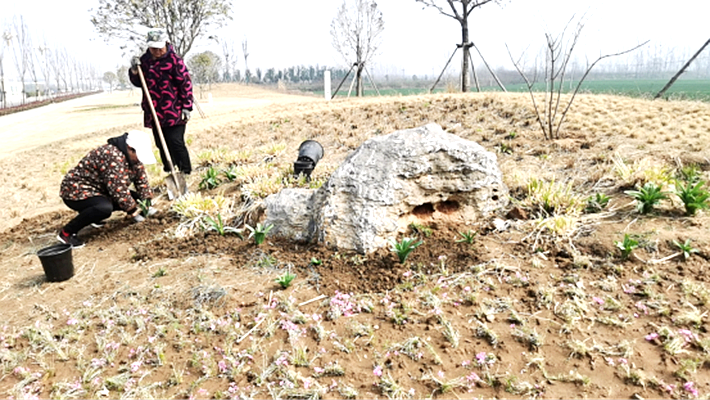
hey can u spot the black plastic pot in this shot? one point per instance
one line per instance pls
(309, 153)
(57, 262)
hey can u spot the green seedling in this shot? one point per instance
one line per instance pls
(597, 203)
(230, 173)
(315, 261)
(160, 272)
(144, 205)
(647, 197)
(505, 149)
(286, 279)
(693, 196)
(259, 232)
(210, 179)
(218, 226)
(420, 229)
(404, 248)
(690, 173)
(627, 246)
(686, 248)
(467, 237)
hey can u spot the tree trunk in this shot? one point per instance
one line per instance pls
(358, 78)
(466, 46)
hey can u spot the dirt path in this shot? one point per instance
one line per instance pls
(118, 110)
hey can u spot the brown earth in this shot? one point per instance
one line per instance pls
(523, 311)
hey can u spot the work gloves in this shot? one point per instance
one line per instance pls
(135, 62)
(139, 217)
(185, 115)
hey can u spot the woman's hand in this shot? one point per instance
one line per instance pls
(136, 215)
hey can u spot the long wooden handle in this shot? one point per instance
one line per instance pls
(156, 122)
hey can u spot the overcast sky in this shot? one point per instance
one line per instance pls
(283, 33)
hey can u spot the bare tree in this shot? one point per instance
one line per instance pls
(6, 40)
(558, 52)
(355, 31)
(460, 10)
(44, 66)
(184, 20)
(247, 73)
(21, 51)
(230, 60)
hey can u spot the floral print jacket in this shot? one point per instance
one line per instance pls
(169, 85)
(105, 171)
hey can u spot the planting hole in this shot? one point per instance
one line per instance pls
(424, 210)
(447, 207)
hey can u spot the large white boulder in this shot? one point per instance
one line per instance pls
(387, 183)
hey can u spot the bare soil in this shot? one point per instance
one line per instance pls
(520, 312)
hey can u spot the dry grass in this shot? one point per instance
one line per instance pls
(549, 302)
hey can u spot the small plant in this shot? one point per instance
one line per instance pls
(686, 248)
(286, 279)
(467, 237)
(626, 246)
(505, 148)
(690, 173)
(218, 226)
(315, 261)
(210, 179)
(420, 229)
(693, 196)
(647, 197)
(597, 203)
(529, 337)
(299, 357)
(231, 173)
(144, 205)
(259, 232)
(405, 247)
(160, 272)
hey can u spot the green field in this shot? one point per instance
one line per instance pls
(647, 88)
(689, 89)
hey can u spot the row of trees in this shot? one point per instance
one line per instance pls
(39, 66)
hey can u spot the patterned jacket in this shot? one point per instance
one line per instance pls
(169, 85)
(105, 171)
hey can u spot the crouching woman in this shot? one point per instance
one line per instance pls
(100, 183)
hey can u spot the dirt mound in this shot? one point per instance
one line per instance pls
(541, 303)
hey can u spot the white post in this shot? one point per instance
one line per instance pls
(326, 85)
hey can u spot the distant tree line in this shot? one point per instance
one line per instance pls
(208, 67)
(40, 69)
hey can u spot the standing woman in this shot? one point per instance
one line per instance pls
(170, 88)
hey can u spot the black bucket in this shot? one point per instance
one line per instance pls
(57, 262)
(309, 153)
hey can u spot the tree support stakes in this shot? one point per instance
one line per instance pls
(500, 84)
(371, 81)
(672, 81)
(473, 71)
(341, 82)
(443, 70)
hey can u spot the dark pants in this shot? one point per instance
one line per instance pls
(91, 211)
(175, 140)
